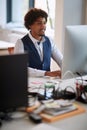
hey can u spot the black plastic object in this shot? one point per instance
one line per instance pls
(35, 118)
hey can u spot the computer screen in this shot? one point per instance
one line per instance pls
(13, 81)
(75, 51)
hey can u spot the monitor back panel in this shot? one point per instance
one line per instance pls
(13, 81)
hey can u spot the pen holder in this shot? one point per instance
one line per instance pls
(49, 88)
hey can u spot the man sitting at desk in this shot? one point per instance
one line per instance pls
(39, 47)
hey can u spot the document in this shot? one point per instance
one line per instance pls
(58, 107)
(44, 126)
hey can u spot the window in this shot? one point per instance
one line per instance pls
(16, 10)
(19, 8)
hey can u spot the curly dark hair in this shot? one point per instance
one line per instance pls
(32, 15)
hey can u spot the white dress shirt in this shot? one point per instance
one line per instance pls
(55, 54)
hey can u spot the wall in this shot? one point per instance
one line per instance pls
(73, 13)
(86, 12)
(2, 12)
(68, 12)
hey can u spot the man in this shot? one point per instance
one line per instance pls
(39, 47)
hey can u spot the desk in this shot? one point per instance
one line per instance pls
(6, 47)
(77, 122)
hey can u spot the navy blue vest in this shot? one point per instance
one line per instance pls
(34, 58)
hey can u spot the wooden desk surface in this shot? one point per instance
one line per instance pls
(6, 47)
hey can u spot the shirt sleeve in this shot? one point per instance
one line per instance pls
(56, 54)
(35, 72)
(19, 48)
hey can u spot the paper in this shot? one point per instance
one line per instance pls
(44, 126)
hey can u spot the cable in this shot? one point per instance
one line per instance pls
(80, 77)
(36, 95)
(81, 90)
(72, 95)
(64, 93)
(67, 73)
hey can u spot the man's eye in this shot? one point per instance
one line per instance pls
(40, 23)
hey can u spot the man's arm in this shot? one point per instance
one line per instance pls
(57, 56)
(53, 73)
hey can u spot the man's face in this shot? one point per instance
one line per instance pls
(38, 27)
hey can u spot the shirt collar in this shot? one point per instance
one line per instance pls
(35, 40)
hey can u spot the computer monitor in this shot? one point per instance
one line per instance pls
(75, 51)
(13, 81)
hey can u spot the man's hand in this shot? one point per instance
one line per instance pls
(53, 73)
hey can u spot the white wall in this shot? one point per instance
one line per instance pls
(68, 12)
(2, 12)
(86, 12)
(73, 12)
